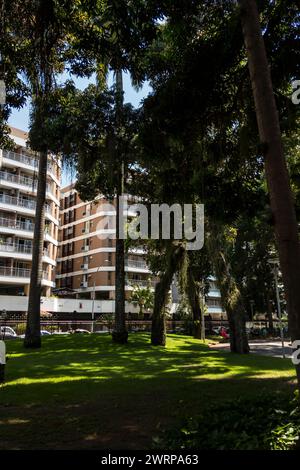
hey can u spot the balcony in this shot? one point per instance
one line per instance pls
(19, 248)
(136, 264)
(21, 180)
(141, 282)
(26, 160)
(18, 272)
(18, 201)
(18, 157)
(16, 224)
(15, 248)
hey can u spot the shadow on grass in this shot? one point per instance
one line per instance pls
(87, 365)
(85, 391)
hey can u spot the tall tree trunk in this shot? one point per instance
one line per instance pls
(194, 301)
(33, 335)
(120, 333)
(286, 229)
(230, 293)
(41, 82)
(233, 304)
(158, 330)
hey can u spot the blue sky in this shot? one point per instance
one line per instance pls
(20, 118)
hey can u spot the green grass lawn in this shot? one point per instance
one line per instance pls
(85, 392)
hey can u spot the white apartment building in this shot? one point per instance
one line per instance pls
(18, 187)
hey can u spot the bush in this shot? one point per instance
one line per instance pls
(264, 423)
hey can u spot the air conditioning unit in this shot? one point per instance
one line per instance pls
(84, 284)
(84, 266)
(85, 248)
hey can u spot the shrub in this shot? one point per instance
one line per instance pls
(263, 423)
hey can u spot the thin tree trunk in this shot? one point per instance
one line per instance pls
(33, 335)
(194, 301)
(270, 314)
(158, 330)
(120, 333)
(286, 229)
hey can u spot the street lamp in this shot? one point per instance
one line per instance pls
(274, 263)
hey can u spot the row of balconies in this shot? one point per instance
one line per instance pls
(128, 282)
(19, 225)
(16, 224)
(26, 160)
(21, 202)
(19, 248)
(22, 180)
(140, 264)
(18, 272)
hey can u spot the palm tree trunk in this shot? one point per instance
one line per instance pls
(158, 330)
(32, 334)
(286, 229)
(120, 333)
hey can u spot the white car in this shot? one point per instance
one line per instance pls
(7, 332)
(43, 333)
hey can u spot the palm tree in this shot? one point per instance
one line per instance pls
(143, 297)
(120, 333)
(282, 205)
(40, 76)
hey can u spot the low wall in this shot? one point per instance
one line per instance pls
(13, 303)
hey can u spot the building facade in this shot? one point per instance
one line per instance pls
(86, 256)
(18, 188)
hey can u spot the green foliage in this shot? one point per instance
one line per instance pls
(266, 422)
(143, 297)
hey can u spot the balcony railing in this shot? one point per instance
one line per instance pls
(29, 161)
(15, 248)
(136, 264)
(18, 272)
(18, 201)
(140, 282)
(22, 180)
(16, 224)
(19, 157)
(19, 248)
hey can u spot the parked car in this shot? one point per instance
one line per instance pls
(45, 333)
(7, 332)
(82, 331)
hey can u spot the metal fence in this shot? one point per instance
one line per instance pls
(257, 329)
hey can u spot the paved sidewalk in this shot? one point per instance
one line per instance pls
(263, 347)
